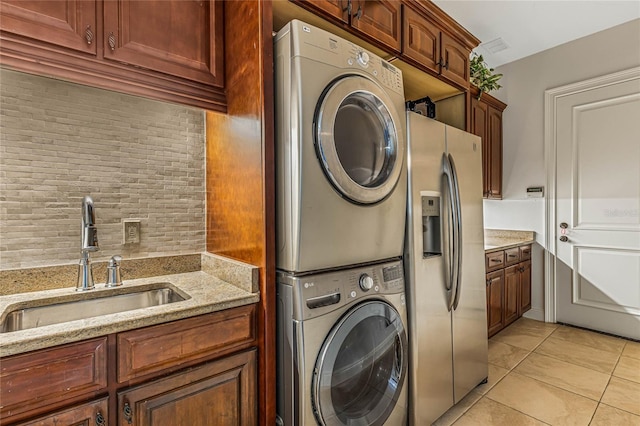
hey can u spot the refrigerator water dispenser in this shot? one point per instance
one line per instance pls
(431, 235)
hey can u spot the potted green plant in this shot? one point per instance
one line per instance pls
(482, 76)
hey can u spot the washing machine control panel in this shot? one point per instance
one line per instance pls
(319, 294)
(381, 70)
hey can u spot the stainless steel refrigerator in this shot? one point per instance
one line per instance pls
(444, 267)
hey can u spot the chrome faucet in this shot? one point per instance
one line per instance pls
(89, 243)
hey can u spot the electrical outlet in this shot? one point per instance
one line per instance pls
(131, 231)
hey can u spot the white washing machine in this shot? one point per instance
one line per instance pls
(340, 147)
(342, 347)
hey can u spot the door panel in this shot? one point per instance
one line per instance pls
(598, 198)
(66, 23)
(178, 38)
(379, 19)
(456, 60)
(421, 39)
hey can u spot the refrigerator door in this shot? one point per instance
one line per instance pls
(469, 324)
(431, 376)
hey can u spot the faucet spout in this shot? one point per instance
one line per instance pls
(89, 235)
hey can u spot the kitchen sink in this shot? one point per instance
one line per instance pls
(88, 305)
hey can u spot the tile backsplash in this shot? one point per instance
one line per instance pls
(137, 158)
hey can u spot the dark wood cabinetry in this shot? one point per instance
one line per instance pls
(508, 286)
(429, 46)
(164, 49)
(486, 122)
(65, 23)
(183, 39)
(195, 371)
(376, 20)
(495, 297)
(217, 393)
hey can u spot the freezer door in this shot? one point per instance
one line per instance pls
(431, 377)
(470, 356)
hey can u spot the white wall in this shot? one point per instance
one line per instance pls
(524, 84)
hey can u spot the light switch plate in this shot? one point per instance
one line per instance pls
(131, 231)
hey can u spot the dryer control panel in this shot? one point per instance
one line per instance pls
(317, 294)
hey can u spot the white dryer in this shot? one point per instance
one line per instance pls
(340, 147)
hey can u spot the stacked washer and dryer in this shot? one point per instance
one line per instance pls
(341, 205)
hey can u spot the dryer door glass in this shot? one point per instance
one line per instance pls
(361, 367)
(359, 139)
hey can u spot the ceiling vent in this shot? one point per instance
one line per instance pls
(495, 45)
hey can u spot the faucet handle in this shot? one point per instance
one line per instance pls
(113, 272)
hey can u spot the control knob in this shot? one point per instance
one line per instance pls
(363, 58)
(366, 282)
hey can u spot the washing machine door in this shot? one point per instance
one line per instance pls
(361, 367)
(358, 139)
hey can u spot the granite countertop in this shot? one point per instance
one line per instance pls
(221, 284)
(501, 239)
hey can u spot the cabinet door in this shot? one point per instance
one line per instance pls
(38, 382)
(455, 60)
(179, 38)
(525, 286)
(511, 304)
(495, 297)
(89, 414)
(379, 19)
(421, 40)
(221, 393)
(335, 8)
(479, 117)
(66, 23)
(494, 137)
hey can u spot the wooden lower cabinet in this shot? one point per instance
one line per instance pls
(508, 288)
(88, 414)
(495, 296)
(196, 371)
(511, 306)
(217, 393)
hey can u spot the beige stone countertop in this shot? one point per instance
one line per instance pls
(206, 294)
(501, 239)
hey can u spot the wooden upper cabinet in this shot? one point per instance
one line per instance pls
(379, 19)
(494, 144)
(337, 8)
(455, 60)
(421, 40)
(434, 45)
(486, 122)
(178, 38)
(66, 23)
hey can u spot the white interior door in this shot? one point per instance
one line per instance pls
(597, 221)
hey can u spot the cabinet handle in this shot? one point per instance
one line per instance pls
(511, 255)
(88, 35)
(358, 14)
(112, 41)
(495, 260)
(443, 64)
(127, 413)
(100, 419)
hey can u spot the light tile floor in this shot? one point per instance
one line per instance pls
(549, 374)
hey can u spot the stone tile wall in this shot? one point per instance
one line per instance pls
(137, 158)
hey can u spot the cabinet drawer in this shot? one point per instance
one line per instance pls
(41, 381)
(525, 252)
(181, 343)
(91, 413)
(512, 256)
(494, 260)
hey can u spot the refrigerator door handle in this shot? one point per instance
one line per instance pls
(458, 232)
(454, 249)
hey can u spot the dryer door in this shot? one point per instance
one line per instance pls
(361, 367)
(359, 140)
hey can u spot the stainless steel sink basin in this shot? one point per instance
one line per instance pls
(89, 305)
